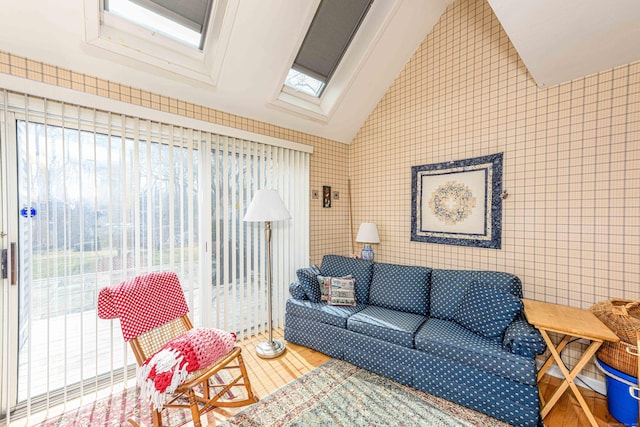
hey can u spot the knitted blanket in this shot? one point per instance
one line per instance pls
(170, 366)
(143, 302)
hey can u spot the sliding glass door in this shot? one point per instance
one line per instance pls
(95, 208)
(97, 197)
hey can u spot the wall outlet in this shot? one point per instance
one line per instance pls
(315, 194)
(336, 195)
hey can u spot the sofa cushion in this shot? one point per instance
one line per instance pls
(296, 291)
(487, 311)
(359, 269)
(451, 341)
(307, 277)
(400, 287)
(523, 338)
(384, 358)
(385, 324)
(335, 315)
(448, 287)
(342, 292)
(318, 336)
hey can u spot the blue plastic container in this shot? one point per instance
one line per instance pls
(622, 394)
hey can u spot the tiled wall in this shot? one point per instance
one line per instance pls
(571, 224)
(328, 164)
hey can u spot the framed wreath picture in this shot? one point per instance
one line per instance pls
(458, 202)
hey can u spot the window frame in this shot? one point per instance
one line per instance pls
(321, 109)
(122, 36)
(153, 16)
(317, 51)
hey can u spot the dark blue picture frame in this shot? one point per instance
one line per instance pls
(458, 202)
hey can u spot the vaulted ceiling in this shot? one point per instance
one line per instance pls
(255, 44)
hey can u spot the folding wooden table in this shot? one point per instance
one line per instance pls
(570, 322)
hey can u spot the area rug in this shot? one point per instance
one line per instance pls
(113, 411)
(340, 394)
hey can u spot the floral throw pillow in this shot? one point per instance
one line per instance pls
(342, 292)
(325, 284)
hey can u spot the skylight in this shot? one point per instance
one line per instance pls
(181, 21)
(303, 83)
(330, 33)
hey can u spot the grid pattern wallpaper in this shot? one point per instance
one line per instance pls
(571, 222)
(328, 163)
(571, 225)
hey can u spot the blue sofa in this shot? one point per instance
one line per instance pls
(457, 334)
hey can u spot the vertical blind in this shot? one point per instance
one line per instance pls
(100, 197)
(239, 169)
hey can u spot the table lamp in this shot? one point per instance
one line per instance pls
(368, 233)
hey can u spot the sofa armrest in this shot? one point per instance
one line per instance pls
(522, 338)
(296, 291)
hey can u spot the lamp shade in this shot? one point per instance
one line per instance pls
(266, 205)
(368, 233)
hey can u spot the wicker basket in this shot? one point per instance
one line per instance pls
(621, 316)
(621, 356)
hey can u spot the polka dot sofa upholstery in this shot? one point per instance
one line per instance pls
(456, 334)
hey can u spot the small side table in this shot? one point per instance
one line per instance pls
(571, 323)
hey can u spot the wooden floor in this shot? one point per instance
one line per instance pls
(568, 413)
(267, 375)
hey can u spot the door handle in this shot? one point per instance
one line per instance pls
(4, 265)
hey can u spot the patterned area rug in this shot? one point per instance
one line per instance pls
(334, 394)
(114, 411)
(340, 394)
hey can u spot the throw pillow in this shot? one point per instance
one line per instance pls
(296, 291)
(487, 311)
(522, 338)
(342, 292)
(169, 367)
(325, 284)
(308, 280)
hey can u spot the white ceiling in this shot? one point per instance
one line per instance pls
(560, 40)
(557, 41)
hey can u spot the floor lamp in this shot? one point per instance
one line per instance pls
(267, 206)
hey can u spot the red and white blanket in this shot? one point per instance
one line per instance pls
(151, 300)
(143, 302)
(196, 349)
